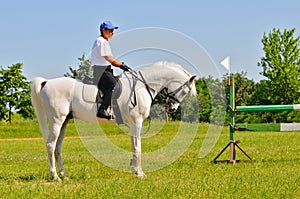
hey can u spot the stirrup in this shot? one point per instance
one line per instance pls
(102, 113)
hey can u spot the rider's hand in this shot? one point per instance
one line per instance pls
(124, 67)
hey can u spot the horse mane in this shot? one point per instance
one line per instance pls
(174, 65)
(177, 66)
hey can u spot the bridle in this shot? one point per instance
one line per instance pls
(169, 96)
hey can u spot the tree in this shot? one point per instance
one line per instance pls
(244, 89)
(281, 66)
(84, 68)
(204, 99)
(157, 110)
(218, 100)
(211, 100)
(14, 93)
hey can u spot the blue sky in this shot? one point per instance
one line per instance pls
(49, 36)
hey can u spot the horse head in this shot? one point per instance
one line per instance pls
(175, 97)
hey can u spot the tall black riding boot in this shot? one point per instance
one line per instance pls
(102, 112)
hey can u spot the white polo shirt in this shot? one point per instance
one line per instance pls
(100, 49)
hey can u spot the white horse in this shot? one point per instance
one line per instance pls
(58, 100)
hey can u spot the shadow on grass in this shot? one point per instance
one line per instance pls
(25, 178)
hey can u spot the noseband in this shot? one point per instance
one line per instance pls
(171, 95)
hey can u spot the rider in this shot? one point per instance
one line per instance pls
(102, 60)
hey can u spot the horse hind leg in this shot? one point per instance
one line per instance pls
(58, 148)
(55, 129)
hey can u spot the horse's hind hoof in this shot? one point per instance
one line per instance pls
(57, 179)
(66, 178)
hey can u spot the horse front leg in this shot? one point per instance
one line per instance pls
(136, 161)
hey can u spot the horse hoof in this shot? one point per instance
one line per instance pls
(66, 178)
(141, 175)
(57, 179)
(64, 175)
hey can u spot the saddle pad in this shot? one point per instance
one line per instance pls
(89, 93)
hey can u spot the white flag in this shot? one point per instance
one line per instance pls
(226, 63)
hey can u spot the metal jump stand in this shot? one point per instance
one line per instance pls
(232, 143)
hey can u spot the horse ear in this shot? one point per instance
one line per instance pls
(192, 78)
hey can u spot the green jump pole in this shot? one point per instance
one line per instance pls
(232, 143)
(232, 106)
(256, 108)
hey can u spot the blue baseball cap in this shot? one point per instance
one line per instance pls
(107, 25)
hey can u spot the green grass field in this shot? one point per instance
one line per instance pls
(275, 173)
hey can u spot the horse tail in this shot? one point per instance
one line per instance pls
(36, 86)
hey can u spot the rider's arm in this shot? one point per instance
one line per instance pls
(113, 61)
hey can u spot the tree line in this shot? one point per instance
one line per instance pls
(280, 66)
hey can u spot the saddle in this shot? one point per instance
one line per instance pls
(91, 94)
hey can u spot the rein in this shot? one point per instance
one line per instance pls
(170, 95)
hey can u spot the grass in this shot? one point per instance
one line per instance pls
(275, 173)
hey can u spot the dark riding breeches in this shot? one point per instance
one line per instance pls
(105, 80)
